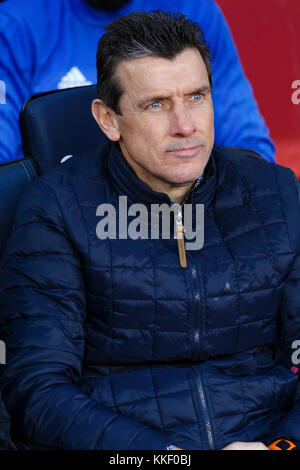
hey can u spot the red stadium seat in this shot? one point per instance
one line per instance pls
(266, 33)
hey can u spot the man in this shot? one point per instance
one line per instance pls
(121, 341)
(47, 45)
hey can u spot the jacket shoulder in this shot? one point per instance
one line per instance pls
(266, 181)
(48, 193)
(87, 165)
(253, 167)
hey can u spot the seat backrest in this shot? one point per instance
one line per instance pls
(53, 125)
(14, 177)
(59, 123)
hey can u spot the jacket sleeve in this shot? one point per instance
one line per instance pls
(238, 122)
(43, 310)
(5, 439)
(289, 321)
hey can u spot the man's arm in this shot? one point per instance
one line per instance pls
(289, 317)
(238, 122)
(289, 323)
(5, 439)
(43, 312)
(289, 427)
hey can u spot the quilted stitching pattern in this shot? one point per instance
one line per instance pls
(142, 325)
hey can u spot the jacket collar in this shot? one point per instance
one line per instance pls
(127, 183)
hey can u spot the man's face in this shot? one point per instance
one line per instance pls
(167, 123)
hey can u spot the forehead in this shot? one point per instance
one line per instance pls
(151, 75)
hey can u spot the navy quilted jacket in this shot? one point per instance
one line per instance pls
(112, 345)
(5, 440)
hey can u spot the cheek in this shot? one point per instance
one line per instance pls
(204, 116)
(138, 125)
(141, 142)
(148, 133)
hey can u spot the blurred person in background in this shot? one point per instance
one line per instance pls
(52, 45)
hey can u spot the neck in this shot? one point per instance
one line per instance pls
(176, 191)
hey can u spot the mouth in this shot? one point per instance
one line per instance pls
(185, 152)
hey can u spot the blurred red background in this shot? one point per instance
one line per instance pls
(267, 35)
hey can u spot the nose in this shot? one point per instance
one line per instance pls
(181, 122)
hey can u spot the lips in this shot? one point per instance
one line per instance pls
(185, 151)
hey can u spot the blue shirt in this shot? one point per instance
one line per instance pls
(52, 44)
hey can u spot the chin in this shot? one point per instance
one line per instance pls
(182, 179)
(186, 176)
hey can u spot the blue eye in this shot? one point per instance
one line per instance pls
(197, 97)
(155, 105)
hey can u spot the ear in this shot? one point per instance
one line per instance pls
(106, 119)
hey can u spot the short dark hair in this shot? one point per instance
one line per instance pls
(142, 34)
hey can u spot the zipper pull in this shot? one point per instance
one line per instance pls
(180, 238)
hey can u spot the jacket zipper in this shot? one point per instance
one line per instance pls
(180, 226)
(203, 407)
(196, 337)
(180, 237)
(196, 334)
(198, 296)
(198, 378)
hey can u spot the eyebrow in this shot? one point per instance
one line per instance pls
(152, 99)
